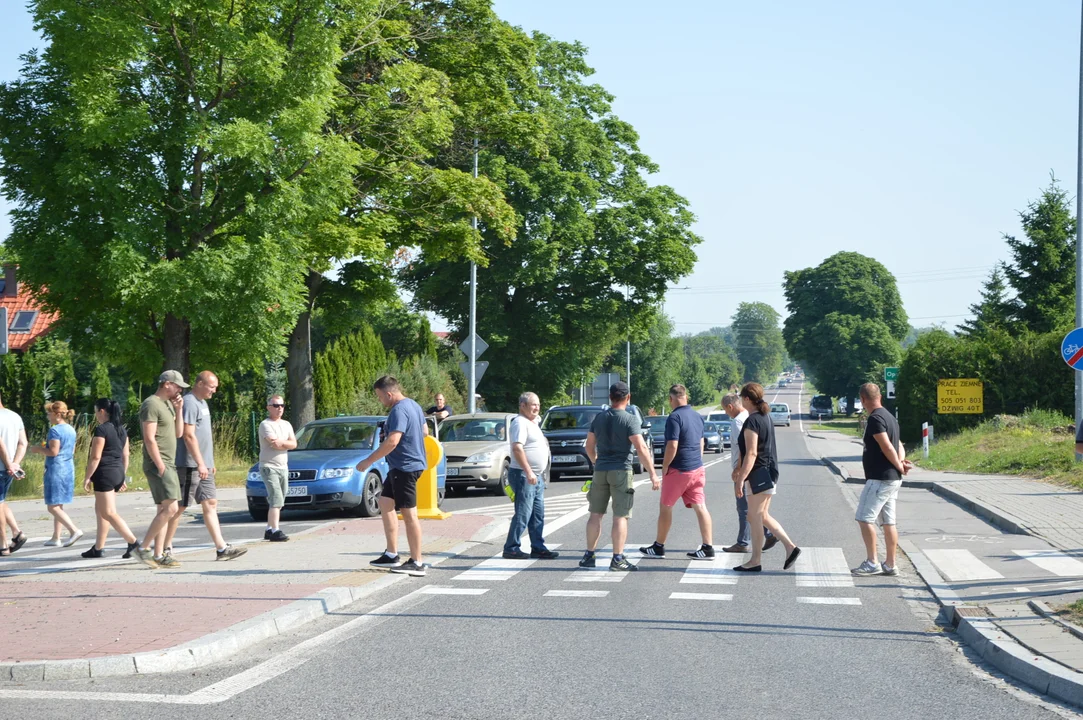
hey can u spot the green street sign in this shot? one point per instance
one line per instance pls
(891, 374)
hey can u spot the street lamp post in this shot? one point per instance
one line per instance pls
(1079, 234)
(474, 307)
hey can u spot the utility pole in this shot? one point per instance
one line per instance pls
(628, 364)
(474, 307)
(1079, 234)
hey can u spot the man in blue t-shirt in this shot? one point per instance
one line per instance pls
(683, 475)
(404, 448)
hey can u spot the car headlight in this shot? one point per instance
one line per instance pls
(255, 477)
(483, 458)
(336, 473)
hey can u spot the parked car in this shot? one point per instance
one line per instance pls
(657, 442)
(478, 451)
(712, 437)
(322, 469)
(842, 406)
(725, 429)
(820, 406)
(780, 414)
(566, 429)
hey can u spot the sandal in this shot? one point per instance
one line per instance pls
(17, 542)
(5, 552)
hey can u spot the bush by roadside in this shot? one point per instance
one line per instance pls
(1038, 443)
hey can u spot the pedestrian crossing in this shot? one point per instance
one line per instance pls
(554, 506)
(962, 565)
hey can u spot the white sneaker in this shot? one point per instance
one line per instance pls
(52, 543)
(889, 571)
(73, 539)
(866, 568)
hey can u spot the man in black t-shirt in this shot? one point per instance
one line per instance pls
(440, 410)
(885, 463)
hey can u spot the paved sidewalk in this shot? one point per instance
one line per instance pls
(119, 619)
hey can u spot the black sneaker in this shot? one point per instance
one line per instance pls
(621, 565)
(705, 552)
(131, 548)
(278, 536)
(386, 561)
(268, 533)
(94, 552)
(515, 555)
(588, 561)
(411, 567)
(655, 550)
(544, 554)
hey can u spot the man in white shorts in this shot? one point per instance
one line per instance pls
(885, 463)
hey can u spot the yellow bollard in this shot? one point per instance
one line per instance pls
(427, 508)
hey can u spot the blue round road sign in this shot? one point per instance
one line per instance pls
(1071, 349)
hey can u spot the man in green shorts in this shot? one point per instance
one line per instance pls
(614, 435)
(159, 417)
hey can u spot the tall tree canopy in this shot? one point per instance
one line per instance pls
(596, 243)
(846, 319)
(996, 309)
(1042, 270)
(759, 342)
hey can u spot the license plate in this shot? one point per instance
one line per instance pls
(452, 472)
(565, 458)
(295, 490)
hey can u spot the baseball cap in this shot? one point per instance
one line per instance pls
(619, 390)
(174, 377)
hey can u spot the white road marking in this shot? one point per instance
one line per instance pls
(822, 567)
(1053, 561)
(438, 590)
(929, 574)
(577, 593)
(499, 568)
(1021, 589)
(958, 565)
(699, 573)
(829, 600)
(699, 596)
(601, 573)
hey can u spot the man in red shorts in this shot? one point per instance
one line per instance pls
(683, 475)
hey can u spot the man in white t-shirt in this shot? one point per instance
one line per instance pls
(529, 465)
(276, 439)
(12, 449)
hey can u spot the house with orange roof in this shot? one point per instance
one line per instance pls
(27, 322)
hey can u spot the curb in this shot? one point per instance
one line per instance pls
(220, 645)
(1006, 522)
(851, 480)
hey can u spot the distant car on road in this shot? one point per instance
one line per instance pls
(322, 472)
(478, 451)
(783, 382)
(716, 416)
(712, 437)
(566, 428)
(658, 436)
(780, 414)
(820, 406)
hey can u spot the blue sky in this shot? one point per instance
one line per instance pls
(911, 132)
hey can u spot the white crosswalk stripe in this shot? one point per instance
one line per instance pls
(701, 573)
(956, 565)
(822, 567)
(699, 596)
(1053, 561)
(577, 593)
(559, 504)
(602, 573)
(499, 568)
(829, 600)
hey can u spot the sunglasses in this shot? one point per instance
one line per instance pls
(277, 405)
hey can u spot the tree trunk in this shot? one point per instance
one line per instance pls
(176, 344)
(300, 387)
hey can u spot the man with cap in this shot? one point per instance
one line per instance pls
(614, 436)
(160, 420)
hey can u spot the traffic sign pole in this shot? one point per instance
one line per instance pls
(1079, 235)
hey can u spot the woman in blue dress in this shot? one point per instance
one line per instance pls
(59, 452)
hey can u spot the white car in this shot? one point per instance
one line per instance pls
(780, 414)
(716, 416)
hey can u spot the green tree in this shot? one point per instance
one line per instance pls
(1042, 270)
(100, 384)
(716, 357)
(759, 342)
(995, 309)
(700, 384)
(596, 244)
(657, 361)
(845, 319)
(175, 154)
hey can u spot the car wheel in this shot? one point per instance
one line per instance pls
(498, 488)
(258, 514)
(637, 468)
(553, 477)
(370, 497)
(440, 497)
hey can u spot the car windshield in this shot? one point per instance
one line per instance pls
(724, 426)
(337, 436)
(710, 427)
(780, 408)
(821, 401)
(473, 430)
(569, 419)
(657, 422)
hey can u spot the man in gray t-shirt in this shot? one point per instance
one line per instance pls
(529, 463)
(613, 436)
(195, 465)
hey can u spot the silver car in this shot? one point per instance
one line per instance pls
(477, 450)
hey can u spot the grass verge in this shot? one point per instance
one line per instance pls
(1035, 444)
(1073, 613)
(846, 426)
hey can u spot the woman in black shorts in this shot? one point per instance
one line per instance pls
(757, 474)
(105, 472)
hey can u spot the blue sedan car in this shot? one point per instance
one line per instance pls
(322, 469)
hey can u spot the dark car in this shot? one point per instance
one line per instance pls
(566, 428)
(821, 407)
(658, 435)
(712, 437)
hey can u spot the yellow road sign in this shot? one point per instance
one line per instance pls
(960, 396)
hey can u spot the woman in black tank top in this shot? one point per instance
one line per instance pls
(106, 472)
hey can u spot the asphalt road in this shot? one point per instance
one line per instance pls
(782, 644)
